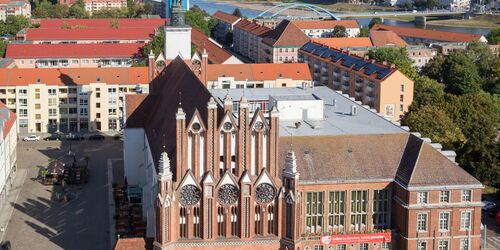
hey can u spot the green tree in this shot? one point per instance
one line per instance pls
(433, 68)
(59, 11)
(157, 45)
(364, 32)
(375, 21)
(14, 24)
(339, 31)
(478, 116)
(494, 36)
(433, 122)
(482, 57)
(77, 10)
(397, 56)
(148, 8)
(197, 20)
(460, 75)
(237, 12)
(3, 46)
(427, 92)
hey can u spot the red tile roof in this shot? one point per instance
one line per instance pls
(216, 54)
(259, 71)
(74, 76)
(386, 37)
(325, 24)
(343, 42)
(285, 34)
(144, 33)
(438, 35)
(251, 27)
(127, 50)
(102, 23)
(9, 119)
(226, 17)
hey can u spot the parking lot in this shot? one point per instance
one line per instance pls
(492, 230)
(40, 221)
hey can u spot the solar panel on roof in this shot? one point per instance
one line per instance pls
(327, 53)
(382, 74)
(371, 68)
(319, 51)
(349, 61)
(309, 47)
(359, 65)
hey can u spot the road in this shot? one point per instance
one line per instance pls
(39, 221)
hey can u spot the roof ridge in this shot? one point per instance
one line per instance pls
(418, 158)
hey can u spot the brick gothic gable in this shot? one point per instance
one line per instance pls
(222, 158)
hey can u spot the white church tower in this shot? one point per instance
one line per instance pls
(177, 34)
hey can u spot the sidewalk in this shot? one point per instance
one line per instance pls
(7, 210)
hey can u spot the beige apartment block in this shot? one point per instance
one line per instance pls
(70, 100)
(377, 85)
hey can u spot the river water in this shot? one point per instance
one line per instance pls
(212, 6)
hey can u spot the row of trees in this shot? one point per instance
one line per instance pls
(456, 103)
(48, 9)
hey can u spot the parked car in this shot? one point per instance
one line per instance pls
(487, 205)
(96, 137)
(493, 210)
(53, 137)
(32, 138)
(75, 137)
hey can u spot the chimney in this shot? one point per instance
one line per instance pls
(384, 62)
(373, 61)
(366, 57)
(393, 66)
(151, 66)
(204, 63)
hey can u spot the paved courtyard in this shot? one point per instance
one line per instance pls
(40, 221)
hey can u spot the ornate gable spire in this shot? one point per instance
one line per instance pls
(164, 166)
(290, 165)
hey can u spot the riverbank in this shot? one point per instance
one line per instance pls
(334, 7)
(483, 21)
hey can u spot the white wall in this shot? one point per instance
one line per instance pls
(177, 42)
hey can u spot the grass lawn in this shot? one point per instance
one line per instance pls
(487, 21)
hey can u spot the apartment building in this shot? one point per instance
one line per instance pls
(456, 5)
(260, 75)
(96, 5)
(281, 45)
(85, 35)
(418, 36)
(70, 99)
(377, 85)
(225, 24)
(324, 28)
(14, 8)
(247, 39)
(290, 168)
(73, 55)
(8, 153)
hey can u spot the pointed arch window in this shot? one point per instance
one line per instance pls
(183, 223)
(270, 219)
(234, 221)
(258, 223)
(196, 223)
(221, 227)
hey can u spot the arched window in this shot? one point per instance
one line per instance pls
(183, 223)
(196, 222)
(221, 228)
(234, 221)
(258, 230)
(270, 219)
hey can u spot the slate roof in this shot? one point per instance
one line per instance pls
(285, 34)
(156, 114)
